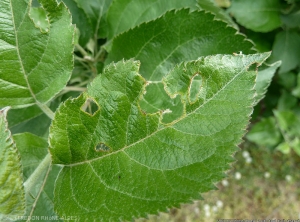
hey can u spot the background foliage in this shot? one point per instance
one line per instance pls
(113, 30)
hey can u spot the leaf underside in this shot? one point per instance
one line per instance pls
(124, 161)
(33, 150)
(12, 200)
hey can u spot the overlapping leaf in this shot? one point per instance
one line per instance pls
(177, 36)
(35, 64)
(126, 14)
(287, 49)
(121, 161)
(12, 200)
(39, 195)
(257, 15)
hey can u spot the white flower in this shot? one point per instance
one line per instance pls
(267, 175)
(207, 213)
(238, 175)
(206, 207)
(288, 178)
(248, 159)
(219, 204)
(225, 183)
(246, 154)
(214, 208)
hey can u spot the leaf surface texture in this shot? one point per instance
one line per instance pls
(35, 64)
(122, 161)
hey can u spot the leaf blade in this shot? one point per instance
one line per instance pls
(36, 65)
(173, 38)
(152, 166)
(12, 197)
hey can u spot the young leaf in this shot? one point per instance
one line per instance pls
(257, 15)
(125, 14)
(177, 36)
(287, 49)
(12, 200)
(34, 65)
(39, 192)
(263, 79)
(121, 162)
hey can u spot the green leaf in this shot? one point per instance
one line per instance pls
(296, 91)
(39, 192)
(265, 133)
(286, 101)
(121, 162)
(287, 80)
(30, 119)
(165, 42)
(263, 79)
(284, 148)
(287, 49)
(257, 15)
(95, 11)
(81, 20)
(211, 6)
(125, 14)
(34, 65)
(289, 125)
(12, 200)
(291, 20)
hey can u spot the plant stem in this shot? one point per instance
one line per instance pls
(38, 172)
(74, 88)
(81, 50)
(46, 110)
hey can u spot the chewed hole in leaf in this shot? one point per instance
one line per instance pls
(90, 107)
(253, 67)
(101, 147)
(196, 88)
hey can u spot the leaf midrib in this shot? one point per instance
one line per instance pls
(18, 51)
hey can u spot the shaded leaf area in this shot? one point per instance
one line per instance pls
(12, 198)
(30, 119)
(257, 15)
(122, 162)
(211, 6)
(125, 14)
(35, 64)
(95, 12)
(175, 37)
(39, 197)
(82, 21)
(287, 49)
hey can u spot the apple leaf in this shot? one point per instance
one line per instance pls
(36, 63)
(287, 49)
(121, 161)
(175, 37)
(257, 15)
(39, 195)
(12, 198)
(125, 14)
